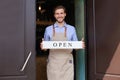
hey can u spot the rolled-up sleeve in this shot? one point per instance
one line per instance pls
(46, 36)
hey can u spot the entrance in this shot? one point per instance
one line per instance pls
(75, 17)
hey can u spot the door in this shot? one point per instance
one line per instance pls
(17, 39)
(103, 26)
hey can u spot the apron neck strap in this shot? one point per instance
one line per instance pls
(64, 31)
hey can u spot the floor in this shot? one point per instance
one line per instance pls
(41, 62)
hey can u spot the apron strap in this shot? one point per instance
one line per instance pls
(64, 31)
(53, 30)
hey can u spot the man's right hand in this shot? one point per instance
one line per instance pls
(41, 45)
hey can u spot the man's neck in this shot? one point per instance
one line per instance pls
(61, 24)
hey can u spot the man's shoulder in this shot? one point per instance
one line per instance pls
(70, 26)
(49, 27)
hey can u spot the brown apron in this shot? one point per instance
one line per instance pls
(60, 61)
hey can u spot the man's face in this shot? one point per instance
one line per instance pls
(60, 15)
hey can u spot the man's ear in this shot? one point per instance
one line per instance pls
(65, 14)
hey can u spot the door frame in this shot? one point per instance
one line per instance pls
(80, 20)
(30, 18)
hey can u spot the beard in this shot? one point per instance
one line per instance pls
(60, 20)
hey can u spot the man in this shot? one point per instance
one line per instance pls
(60, 61)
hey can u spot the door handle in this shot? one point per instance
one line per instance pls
(24, 65)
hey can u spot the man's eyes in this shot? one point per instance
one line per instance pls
(59, 13)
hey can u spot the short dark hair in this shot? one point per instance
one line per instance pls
(59, 7)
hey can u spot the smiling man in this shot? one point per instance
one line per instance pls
(60, 61)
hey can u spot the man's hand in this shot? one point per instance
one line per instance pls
(41, 45)
(83, 43)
